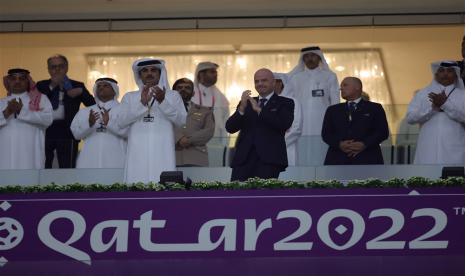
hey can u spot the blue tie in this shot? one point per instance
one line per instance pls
(352, 107)
(55, 97)
(262, 103)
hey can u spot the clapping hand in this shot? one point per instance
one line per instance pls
(255, 106)
(146, 95)
(105, 116)
(159, 94)
(437, 100)
(93, 117)
(244, 98)
(13, 107)
(17, 105)
(7, 112)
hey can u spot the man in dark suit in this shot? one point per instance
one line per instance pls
(262, 122)
(354, 129)
(66, 96)
(461, 63)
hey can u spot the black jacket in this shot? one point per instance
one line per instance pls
(71, 106)
(461, 64)
(264, 132)
(368, 125)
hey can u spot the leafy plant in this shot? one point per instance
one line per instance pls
(252, 183)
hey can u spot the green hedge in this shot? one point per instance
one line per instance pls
(253, 183)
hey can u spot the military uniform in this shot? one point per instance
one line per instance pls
(199, 129)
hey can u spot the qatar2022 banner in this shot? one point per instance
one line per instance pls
(90, 229)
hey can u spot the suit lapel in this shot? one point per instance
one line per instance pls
(272, 102)
(249, 105)
(361, 109)
(360, 106)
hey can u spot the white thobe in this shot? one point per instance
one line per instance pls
(22, 138)
(103, 147)
(151, 144)
(293, 134)
(442, 134)
(315, 90)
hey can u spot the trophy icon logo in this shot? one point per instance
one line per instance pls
(11, 232)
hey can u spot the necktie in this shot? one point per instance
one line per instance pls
(352, 107)
(55, 97)
(262, 103)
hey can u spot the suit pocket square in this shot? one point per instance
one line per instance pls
(273, 110)
(366, 114)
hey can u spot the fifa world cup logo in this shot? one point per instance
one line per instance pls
(11, 232)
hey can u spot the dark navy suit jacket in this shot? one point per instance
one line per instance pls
(368, 125)
(264, 132)
(461, 64)
(61, 129)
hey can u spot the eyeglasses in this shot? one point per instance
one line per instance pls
(57, 66)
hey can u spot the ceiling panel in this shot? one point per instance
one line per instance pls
(130, 9)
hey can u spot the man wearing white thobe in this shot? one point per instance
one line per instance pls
(283, 88)
(440, 110)
(315, 88)
(104, 141)
(24, 116)
(150, 113)
(208, 95)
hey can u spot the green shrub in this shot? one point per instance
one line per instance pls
(252, 183)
